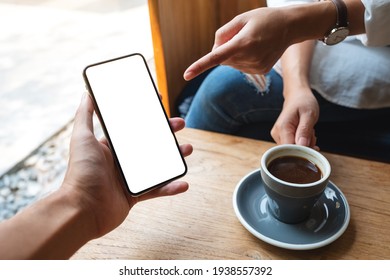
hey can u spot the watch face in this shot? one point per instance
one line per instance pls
(336, 36)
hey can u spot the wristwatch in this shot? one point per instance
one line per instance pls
(340, 31)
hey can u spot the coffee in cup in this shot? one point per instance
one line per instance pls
(294, 179)
(295, 169)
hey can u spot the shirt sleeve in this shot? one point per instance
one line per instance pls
(377, 22)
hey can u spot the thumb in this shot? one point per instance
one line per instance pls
(83, 119)
(225, 33)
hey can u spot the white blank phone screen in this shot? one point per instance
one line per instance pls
(135, 121)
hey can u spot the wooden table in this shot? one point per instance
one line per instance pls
(201, 223)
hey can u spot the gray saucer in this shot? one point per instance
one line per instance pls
(327, 222)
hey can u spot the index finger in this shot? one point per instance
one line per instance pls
(177, 123)
(213, 58)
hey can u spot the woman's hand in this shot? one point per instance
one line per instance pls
(252, 42)
(295, 124)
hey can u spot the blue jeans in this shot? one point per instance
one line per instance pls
(227, 102)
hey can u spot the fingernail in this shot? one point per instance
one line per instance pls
(187, 75)
(303, 141)
(84, 96)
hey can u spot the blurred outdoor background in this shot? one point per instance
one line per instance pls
(44, 46)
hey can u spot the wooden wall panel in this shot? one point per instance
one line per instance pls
(228, 9)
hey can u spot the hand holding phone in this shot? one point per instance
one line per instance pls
(134, 122)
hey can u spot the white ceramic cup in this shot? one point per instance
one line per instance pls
(292, 202)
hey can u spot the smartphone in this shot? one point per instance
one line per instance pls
(135, 123)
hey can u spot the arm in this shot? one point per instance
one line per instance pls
(90, 203)
(300, 112)
(253, 41)
(53, 228)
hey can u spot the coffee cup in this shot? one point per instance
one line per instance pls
(294, 179)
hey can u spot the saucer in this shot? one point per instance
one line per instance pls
(327, 222)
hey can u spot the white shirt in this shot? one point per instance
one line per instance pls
(356, 72)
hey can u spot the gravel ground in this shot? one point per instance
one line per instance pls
(38, 174)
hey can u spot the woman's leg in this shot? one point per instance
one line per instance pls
(330, 112)
(228, 102)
